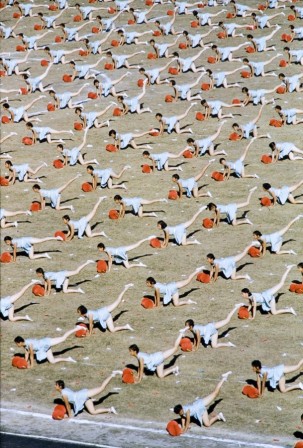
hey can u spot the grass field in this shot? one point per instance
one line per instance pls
(273, 340)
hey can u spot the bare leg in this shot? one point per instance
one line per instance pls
(90, 216)
(286, 228)
(117, 302)
(161, 372)
(290, 369)
(293, 188)
(207, 401)
(31, 171)
(277, 287)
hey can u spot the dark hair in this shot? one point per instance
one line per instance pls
(18, 339)
(211, 206)
(235, 125)
(158, 115)
(203, 102)
(60, 383)
(145, 153)
(281, 75)
(272, 145)
(90, 167)
(101, 246)
(244, 89)
(60, 146)
(36, 187)
(250, 36)
(176, 176)
(245, 60)
(66, 217)
(190, 322)
(5, 105)
(300, 265)
(190, 140)
(221, 159)
(29, 124)
(40, 271)
(162, 224)
(173, 82)
(108, 53)
(112, 132)
(82, 309)
(210, 256)
(214, 47)
(134, 348)
(151, 280)
(246, 291)
(8, 238)
(117, 197)
(278, 107)
(266, 186)
(256, 363)
(78, 109)
(286, 48)
(178, 408)
(8, 162)
(257, 233)
(185, 33)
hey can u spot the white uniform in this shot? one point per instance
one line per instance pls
(101, 315)
(151, 360)
(274, 374)
(76, 398)
(168, 290)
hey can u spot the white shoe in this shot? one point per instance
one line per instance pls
(15, 224)
(90, 261)
(129, 285)
(72, 209)
(176, 371)
(117, 372)
(59, 238)
(292, 252)
(253, 188)
(248, 277)
(290, 265)
(28, 318)
(221, 417)
(81, 291)
(249, 221)
(80, 327)
(183, 330)
(230, 344)
(70, 359)
(209, 194)
(128, 327)
(300, 385)
(45, 164)
(292, 311)
(238, 305)
(48, 256)
(29, 213)
(226, 375)
(191, 302)
(113, 410)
